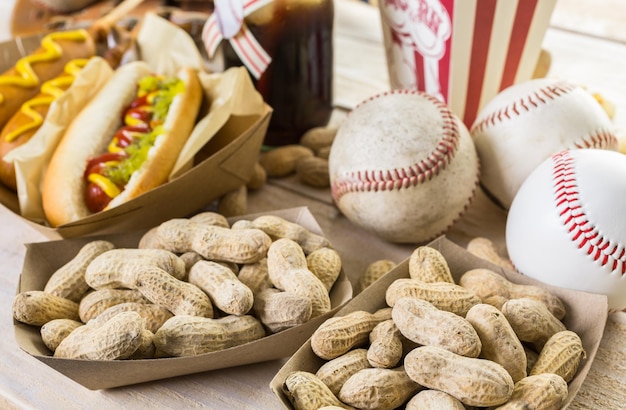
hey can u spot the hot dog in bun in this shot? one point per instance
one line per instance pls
(123, 143)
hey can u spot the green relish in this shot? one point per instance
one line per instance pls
(162, 90)
(137, 154)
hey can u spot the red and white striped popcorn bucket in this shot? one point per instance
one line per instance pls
(463, 51)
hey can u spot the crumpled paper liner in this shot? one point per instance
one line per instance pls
(165, 48)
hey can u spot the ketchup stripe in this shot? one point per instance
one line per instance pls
(523, 19)
(419, 71)
(485, 13)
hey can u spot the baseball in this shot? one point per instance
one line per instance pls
(403, 166)
(566, 225)
(526, 123)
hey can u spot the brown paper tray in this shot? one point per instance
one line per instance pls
(233, 153)
(586, 313)
(42, 259)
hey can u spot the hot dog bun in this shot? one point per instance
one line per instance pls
(91, 132)
(31, 115)
(21, 82)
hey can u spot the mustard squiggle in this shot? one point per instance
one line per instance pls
(50, 91)
(52, 50)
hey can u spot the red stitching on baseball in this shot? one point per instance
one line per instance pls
(583, 232)
(413, 175)
(602, 138)
(524, 104)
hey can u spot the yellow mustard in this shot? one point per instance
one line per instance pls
(50, 90)
(26, 76)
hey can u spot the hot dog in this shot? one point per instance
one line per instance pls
(29, 118)
(123, 143)
(22, 82)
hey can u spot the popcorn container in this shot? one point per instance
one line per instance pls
(463, 51)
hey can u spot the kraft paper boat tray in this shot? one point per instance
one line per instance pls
(586, 313)
(42, 259)
(224, 164)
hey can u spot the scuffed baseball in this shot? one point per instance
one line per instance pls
(567, 225)
(526, 123)
(403, 166)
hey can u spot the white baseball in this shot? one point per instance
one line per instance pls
(403, 166)
(526, 123)
(567, 225)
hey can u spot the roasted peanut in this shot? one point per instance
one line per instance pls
(532, 321)
(177, 296)
(385, 350)
(287, 269)
(243, 224)
(323, 152)
(499, 341)
(382, 314)
(433, 400)
(36, 307)
(378, 389)
(234, 203)
(211, 218)
(258, 177)
(118, 268)
(318, 137)
(421, 322)
(313, 171)
(562, 355)
(146, 349)
(116, 339)
(546, 391)
(225, 290)
(325, 263)
(151, 240)
(531, 358)
(445, 296)
(338, 335)
(307, 392)
(277, 228)
(281, 161)
(54, 331)
(373, 272)
(98, 301)
(214, 242)
(473, 381)
(488, 284)
(190, 259)
(231, 245)
(486, 249)
(279, 310)
(255, 276)
(335, 372)
(153, 315)
(69, 280)
(185, 335)
(428, 265)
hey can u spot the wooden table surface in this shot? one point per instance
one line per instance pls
(587, 43)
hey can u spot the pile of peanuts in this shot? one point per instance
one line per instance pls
(308, 160)
(485, 342)
(192, 286)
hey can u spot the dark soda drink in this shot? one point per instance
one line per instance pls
(297, 84)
